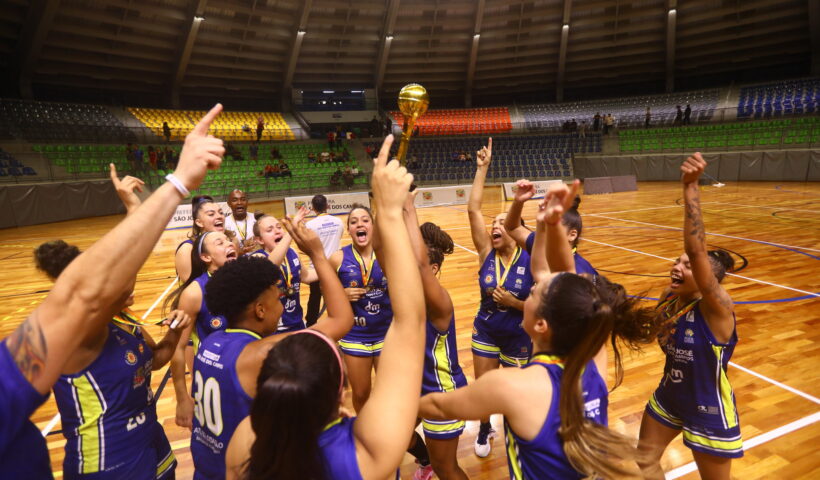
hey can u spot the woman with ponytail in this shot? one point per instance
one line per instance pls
(295, 431)
(211, 251)
(524, 190)
(555, 408)
(694, 395)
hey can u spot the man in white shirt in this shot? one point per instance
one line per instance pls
(329, 229)
(240, 221)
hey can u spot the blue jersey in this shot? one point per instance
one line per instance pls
(206, 322)
(516, 279)
(442, 372)
(695, 369)
(108, 412)
(372, 313)
(338, 450)
(543, 457)
(290, 285)
(220, 402)
(23, 452)
(581, 263)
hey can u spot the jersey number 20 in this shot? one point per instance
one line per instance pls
(208, 404)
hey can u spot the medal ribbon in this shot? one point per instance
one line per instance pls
(286, 273)
(366, 270)
(243, 234)
(500, 263)
(668, 305)
(547, 359)
(127, 317)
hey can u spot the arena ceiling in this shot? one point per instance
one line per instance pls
(456, 48)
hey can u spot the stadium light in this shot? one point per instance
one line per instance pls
(199, 18)
(477, 35)
(566, 26)
(389, 37)
(301, 32)
(672, 11)
(328, 91)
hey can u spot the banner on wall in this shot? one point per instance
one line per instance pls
(541, 187)
(337, 203)
(183, 217)
(435, 196)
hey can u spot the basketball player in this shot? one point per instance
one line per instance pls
(555, 408)
(524, 238)
(505, 281)
(330, 229)
(81, 304)
(227, 364)
(104, 394)
(442, 371)
(297, 431)
(240, 221)
(695, 395)
(275, 242)
(208, 217)
(213, 250)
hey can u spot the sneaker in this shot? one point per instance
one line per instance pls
(482, 442)
(423, 473)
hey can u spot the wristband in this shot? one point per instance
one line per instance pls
(177, 184)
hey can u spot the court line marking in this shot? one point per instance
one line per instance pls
(779, 207)
(778, 384)
(465, 248)
(731, 274)
(50, 425)
(707, 233)
(752, 442)
(645, 209)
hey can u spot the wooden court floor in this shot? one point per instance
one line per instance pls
(772, 229)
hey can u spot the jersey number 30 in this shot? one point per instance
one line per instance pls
(207, 403)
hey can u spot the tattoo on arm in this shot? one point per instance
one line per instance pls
(27, 346)
(694, 215)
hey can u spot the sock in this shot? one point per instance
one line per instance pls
(485, 427)
(419, 450)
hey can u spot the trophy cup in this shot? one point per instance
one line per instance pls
(413, 102)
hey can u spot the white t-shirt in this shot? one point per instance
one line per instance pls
(243, 229)
(329, 229)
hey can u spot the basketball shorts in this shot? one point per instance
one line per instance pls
(442, 429)
(511, 351)
(361, 348)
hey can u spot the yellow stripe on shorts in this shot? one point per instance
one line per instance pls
(713, 444)
(443, 426)
(657, 408)
(484, 347)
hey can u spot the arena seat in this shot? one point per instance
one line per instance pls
(61, 122)
(628, 111)
(230, 126)
(722, 136)
(789, 97)
(467, 121)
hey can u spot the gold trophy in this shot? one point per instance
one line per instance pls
(413, 103)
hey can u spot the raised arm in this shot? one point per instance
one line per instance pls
(384, 427)
(558, 200)
(190, 302)
(524, 190)
(437, 301)
(481, 239)
(93, 286)
(177, 322)
(126, 189)
(717, 305)
(538, 257)
(182, 262)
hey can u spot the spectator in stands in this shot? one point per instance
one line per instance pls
(268, 172)
(324, 157)
(284, 169)
(232, 151)
(311, 157)
(274, 154)
(138, 158)
(648, 120)
(166, 132)
(253, 151)
(348, 177)
(160, 158)
(336, 178)
(152, 157)
(609, 121)
(596, 122)
(331, 139)
(129, 156)
(345, 155)
(260, 127)
(468, 157)
(339, 136)
(375, 127)
(678, 117)
(687, 115)
(573, 126)
(413, 162)
(582, 129)
(369, 150)
(354, 169)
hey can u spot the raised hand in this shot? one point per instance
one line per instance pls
(305, 238)
(177, 321)
(410, 202)
(300, 215)
(201, 152)
(126, 188)
(692, 168)
(484, 156)
(524, 190)
(558, 200)
(390, 182)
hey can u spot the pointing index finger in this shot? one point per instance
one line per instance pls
(384, 152)
(113, 170)
(204, 124)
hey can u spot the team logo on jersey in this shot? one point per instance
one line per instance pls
(488, 279)
(295, 262)
(130, 358)
(460, 193)
(520, 270)
(139, 378)
(688, 336)
(354, 284)
(216, 323)
(141, 348)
